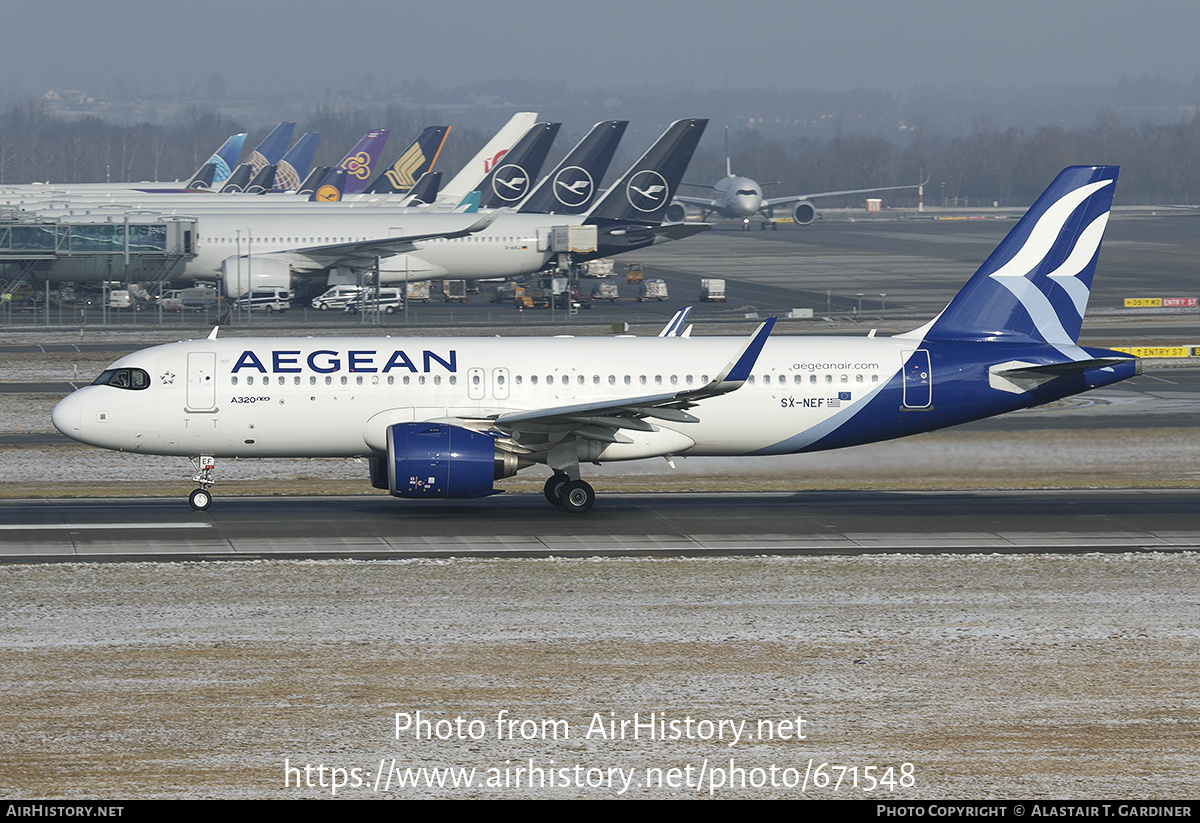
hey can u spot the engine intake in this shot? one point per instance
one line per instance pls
(804, 213)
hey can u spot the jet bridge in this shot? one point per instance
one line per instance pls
(130, 247)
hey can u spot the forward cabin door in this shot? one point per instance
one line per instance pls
(202, 381)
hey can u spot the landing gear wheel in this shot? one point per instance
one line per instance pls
(578, 496)
(554, 488)
(200, 499)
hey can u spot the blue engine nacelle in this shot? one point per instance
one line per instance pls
(437, 460)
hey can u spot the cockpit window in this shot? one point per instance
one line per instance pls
(123, 379)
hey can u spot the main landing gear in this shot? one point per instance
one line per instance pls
(201, 498)
(575, 496)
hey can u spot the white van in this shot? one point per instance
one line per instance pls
(265, 300)
(336, 297)
(390, 301)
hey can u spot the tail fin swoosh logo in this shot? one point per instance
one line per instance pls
(1034, 288)
(402, 173)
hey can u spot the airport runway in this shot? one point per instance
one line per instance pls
(668, 525)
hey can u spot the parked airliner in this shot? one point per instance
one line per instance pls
(446, 417)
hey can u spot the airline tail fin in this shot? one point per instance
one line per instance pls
(362, 160)
(294, 165)
(644, 192)
(263, 181)
(469, 176)
(271, 150)
(313, 180)
(1035, 285)
(469, 204)
(202, 180)
(239, 179)
(512, 178)
(426, 189)
(571, 188)
(222, 161)
(416, 160)
(331, 188)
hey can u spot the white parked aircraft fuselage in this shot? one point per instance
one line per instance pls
(507, 248)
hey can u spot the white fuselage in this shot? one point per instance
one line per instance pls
(737, 197)
(335, 397)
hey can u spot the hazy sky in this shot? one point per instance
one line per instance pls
(308, 45)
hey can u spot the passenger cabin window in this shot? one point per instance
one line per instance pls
(135, 379)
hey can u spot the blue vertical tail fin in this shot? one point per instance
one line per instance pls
(222, 162)
(294, 165)
(271, 150)
(1035, 286)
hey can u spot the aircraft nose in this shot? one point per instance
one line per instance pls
(66, 415)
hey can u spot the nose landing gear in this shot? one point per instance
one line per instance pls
(201, 498)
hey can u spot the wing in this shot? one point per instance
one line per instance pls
(603, 420)
(364, 252)
(707, 202)
(795, 198)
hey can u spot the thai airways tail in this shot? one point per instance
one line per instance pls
(572, 187)
(416, 160)
(1035, 286)
(643, 193)
(362, 160)
(294, 166)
